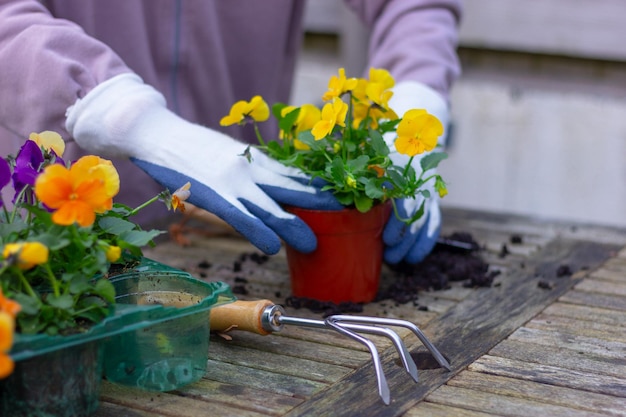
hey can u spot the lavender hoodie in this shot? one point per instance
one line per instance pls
(203, 55)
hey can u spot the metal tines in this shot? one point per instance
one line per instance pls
(353, 327)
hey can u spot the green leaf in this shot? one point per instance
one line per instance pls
(358, 163)
(345, 199)
(79, 283)
(378, 143)
(30, 305)
(431, 160)
(115, 225)
(54, 242)
(373, 188)
(63, 301)
(363, 203)
(139, 237)
(307, 138)
(287, 122)
(15, 227)
(106, 290)
(29, 324)
(277, 110)
(95, 314)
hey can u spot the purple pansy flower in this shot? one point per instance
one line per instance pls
(5, 175)
(27, 165)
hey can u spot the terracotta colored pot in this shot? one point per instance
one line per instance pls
(347, 262)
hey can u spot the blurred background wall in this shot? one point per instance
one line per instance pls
(539, 114)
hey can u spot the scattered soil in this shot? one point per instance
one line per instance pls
(445, 264)
(563, 271)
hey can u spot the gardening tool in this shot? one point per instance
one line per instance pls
(265, 317)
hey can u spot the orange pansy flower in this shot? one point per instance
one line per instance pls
(78, 193)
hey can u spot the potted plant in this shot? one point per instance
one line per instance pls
(347, 144)
(59, 236)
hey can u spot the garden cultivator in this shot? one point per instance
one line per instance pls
(265, 317)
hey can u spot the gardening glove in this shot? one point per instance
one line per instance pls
(125, 117)
(411, 243)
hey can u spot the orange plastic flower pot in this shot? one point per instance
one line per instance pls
(347, 262)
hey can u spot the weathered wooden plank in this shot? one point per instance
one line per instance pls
(107, 409)
(614, 302)
(261, 401)
(278, 362)
(551, 375)
(263, 380)
(576, 327)
(609, 275)
(431, 300)
(616, 263)
(407, 311)
(603, 287)
(541, 393)
(559, 357)
(429, 409)
(586, 313)
(465, 332)
(593, 346)
(501, 405)
(167, 404)
(476, 221)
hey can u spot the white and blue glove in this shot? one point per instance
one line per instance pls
(125, 117)
(411, 243)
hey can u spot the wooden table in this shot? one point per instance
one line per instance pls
(533, 344)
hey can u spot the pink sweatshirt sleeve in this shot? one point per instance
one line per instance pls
(46, 64)
(414, 39)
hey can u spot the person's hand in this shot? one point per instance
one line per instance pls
(412, 243)
(125, 117)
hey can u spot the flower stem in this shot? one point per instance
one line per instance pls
(26, 284)
(53, 280)
(142, 206)
(257, 132)
(408, 164)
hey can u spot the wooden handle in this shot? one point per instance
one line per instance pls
(241, 315)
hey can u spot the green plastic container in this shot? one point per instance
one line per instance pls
(60, 383)
(142, 335)
(169, 349)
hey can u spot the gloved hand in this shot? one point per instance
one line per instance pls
(125, 117)
(411, 243)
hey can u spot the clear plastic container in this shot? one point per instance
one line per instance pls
(171, 350)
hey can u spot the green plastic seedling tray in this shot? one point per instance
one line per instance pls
(148, 345)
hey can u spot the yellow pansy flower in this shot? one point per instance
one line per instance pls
(333, 113)
(339, 85)
(49, 140)
(256, 109)
(113, 253)
(28, 254)
(308, 116)
(418, 132)
(381, 76)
